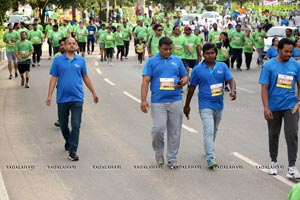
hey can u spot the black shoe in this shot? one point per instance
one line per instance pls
(26, 85)
(56, 124)
(67, 146)
(226, 89)
(16, 75)
(247, 68)
(33, 65)
(73, 157)
(10, 77)
(239, 69)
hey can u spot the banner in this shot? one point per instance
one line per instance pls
(270, 2)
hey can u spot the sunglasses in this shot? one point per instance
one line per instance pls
(159, 29)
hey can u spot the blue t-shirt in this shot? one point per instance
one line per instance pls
(91, 32)
(285, 22)
(210, 84)
(272, 52)
(69, 75)
(296, 52)
(164, 74)
(280, 78)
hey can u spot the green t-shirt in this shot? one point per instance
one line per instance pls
(141, 32)
(55, 36)
(66, 30)
(54, 16)
(23, 29)
(35, 37)
(126, 33)
(82, 34)
(249, 44)
(150, 31)
(259, 39)
(292, 38)
(10, 39)
(192, 41)
(48, 28)
(75, 27)
(101, 35)
(40, 28)
(179, 46)
(119, 38)
(109, 40)
(23, 47)
(200, 36)
(58, 54)
(237, 39)
(214, 36)
(153, 44)
(295, 192)
(168, 31)
(222, 52)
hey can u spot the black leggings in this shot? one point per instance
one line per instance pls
(120, 50)
(126, 48)
(109, 52)
(36, 56)
(248, 58)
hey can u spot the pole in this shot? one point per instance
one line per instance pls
(107, 10)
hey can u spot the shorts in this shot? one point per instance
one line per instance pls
(24, 66)
(190, 63)
(101, 45)
(11, 56)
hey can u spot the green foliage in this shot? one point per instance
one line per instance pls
(2, 44)
(4, 5)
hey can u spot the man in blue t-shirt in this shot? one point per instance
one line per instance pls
(67, 72)
(210, 76)
(92, 32)
(166, 75)
(278, 78)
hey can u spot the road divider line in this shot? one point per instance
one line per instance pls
(132, 97)
(98, 71)
(139, 101)
(109, 82)
(3, 191)
(246, 90)
(189, 129)
(256, 165)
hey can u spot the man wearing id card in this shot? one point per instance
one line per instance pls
(281, 102)
(210, 76)
(166, 75)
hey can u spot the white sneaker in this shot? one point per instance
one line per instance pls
(273, 167)
(110, 64)
(293, 172)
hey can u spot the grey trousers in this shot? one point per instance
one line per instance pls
(290, 131)
(166, 116)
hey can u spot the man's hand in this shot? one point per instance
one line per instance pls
(268, 114)
(48, 101)
(186, 111)
(96, 99)
(294, 110)
(232, 95)
(144, 106)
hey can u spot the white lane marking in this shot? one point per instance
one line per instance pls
(254, 164)
(98, 71)
(139, 101)
(3, 191)
(246, 90)
(189, 129)
(109, 82)
(132, 97)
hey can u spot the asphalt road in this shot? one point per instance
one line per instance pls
(116, 156)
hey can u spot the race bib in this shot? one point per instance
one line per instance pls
(167, 83)
(56, 35)
(108, 37)
(216, 37)
(92, 32)
(178, 47)
(190, 45)
(237, 39)
(216, 89)
(284, 81)
(36, 39)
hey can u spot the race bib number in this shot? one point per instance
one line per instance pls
(216, 89)
(284, 81)
(216, 37)
(108, 37)
(36, 39)
(167, 83)
(92, 32)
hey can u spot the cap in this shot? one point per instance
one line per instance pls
(187, 29)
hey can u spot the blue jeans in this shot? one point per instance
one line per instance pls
(210, 120)
(71, 137)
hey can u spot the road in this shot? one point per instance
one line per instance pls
(116, 157)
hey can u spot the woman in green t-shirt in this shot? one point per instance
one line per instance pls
(224, 49)
(248, 48)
